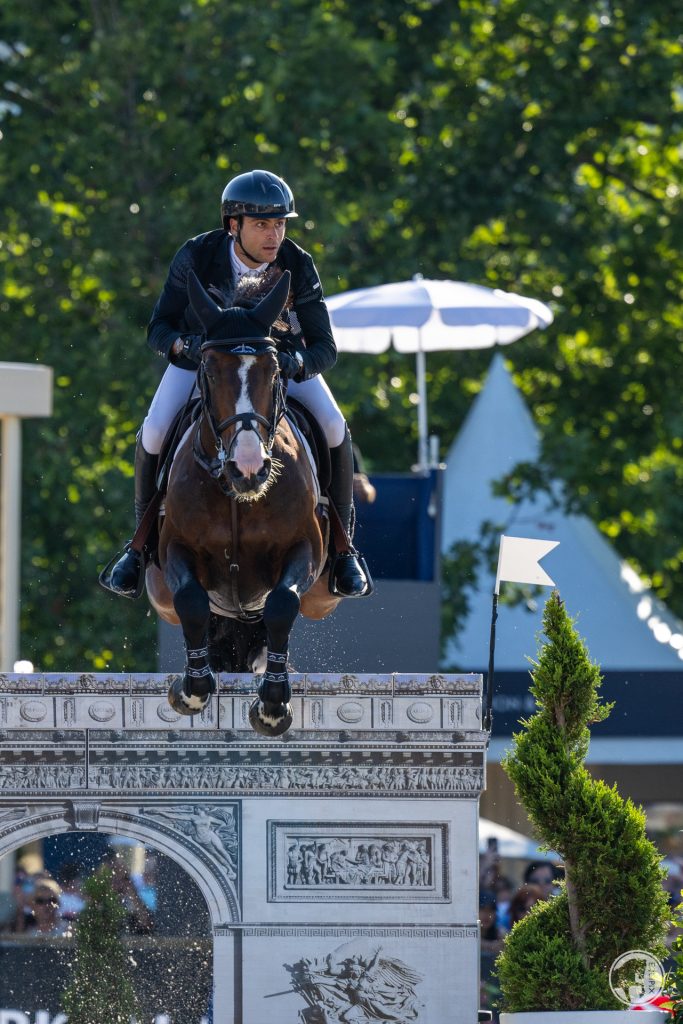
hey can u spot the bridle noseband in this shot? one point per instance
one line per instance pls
(245, 420)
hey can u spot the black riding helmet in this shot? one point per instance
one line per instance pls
(257, 194)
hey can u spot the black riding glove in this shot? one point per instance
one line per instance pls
(290, 368)
(192, 347)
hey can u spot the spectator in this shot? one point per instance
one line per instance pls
(673, 883)
(363, 490)
(46, 919)
(489, 868)
(492, 934)
(504, 893)
(542, 874)
(522, 902)
(22, 892)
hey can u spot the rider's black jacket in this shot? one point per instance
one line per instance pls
(209, 256)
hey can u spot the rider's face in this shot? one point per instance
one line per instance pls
(261, 239)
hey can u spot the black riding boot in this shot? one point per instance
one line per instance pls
(349, 578)
(126, 573)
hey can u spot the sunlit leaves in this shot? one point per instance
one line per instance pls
(520, 144)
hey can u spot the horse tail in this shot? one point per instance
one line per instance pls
(234, 645)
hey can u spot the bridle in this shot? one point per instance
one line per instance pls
(216, 467)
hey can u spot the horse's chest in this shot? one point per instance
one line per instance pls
(239, 580)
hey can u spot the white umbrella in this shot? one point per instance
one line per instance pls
(423, 315)
(510, 843)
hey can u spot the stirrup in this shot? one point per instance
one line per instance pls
(104, 578)
(331, 584)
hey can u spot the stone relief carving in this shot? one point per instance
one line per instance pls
(15, 813)
(347, 987)
(281, 779)
(318, 861)
(83, 816)
(22, 778)
(356, 860)
(213, 828)
(33, 710)
(285, 779)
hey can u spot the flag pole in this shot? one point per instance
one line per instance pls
(421, 375)
(488, 711)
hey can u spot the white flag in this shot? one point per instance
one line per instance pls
(518, 559)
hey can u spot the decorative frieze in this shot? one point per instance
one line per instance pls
(354, 861)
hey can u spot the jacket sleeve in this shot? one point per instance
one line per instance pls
(168, 317)
(314, 319)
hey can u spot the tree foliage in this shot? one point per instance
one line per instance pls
(531, 146)
(559, 956)
(101, 990)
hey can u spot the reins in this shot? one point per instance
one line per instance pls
(216, 467)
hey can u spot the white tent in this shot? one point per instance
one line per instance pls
(625, 626)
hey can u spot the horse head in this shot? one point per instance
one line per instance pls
(241, 392)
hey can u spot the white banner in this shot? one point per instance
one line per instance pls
(518, 559)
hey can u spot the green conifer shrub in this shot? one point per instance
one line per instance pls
(101, 989)
(559, 956)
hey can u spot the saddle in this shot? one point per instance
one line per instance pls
(317, 442)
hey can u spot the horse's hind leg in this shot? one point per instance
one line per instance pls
(271, 712)
(190, 693)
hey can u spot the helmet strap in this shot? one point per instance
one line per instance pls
(238, 239)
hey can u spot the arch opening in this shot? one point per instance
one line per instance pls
(167, 931)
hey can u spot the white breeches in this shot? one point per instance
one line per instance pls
(175, 387)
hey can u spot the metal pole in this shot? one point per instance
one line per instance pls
(421, 373)
(10, 541)
(488, 709)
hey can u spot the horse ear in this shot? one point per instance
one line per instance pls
(271, 305)
(206, 309)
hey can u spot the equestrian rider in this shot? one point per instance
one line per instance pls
(255, 207)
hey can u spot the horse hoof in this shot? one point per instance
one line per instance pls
(270, 719)
(181, 703)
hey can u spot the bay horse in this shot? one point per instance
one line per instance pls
(242, 544)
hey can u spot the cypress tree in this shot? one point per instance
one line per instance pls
(101, 989)
(559, 956)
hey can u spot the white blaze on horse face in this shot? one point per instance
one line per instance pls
(248, 453)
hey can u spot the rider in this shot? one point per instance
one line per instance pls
(255, 207)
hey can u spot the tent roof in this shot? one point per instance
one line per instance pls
(624, 625)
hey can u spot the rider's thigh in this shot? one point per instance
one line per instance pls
(317, 397)
(173, 391)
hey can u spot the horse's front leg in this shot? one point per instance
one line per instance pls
(271, 712)
(190, 693)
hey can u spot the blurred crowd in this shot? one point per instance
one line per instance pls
(48, 904)
(508, 891)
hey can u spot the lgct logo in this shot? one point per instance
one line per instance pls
(46, 1017)
(636, 977)
(19, 1017)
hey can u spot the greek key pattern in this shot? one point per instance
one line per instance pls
(465, 931)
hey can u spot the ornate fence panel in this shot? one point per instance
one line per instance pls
(339, 863)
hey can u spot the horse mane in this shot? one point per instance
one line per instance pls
(249, 291)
